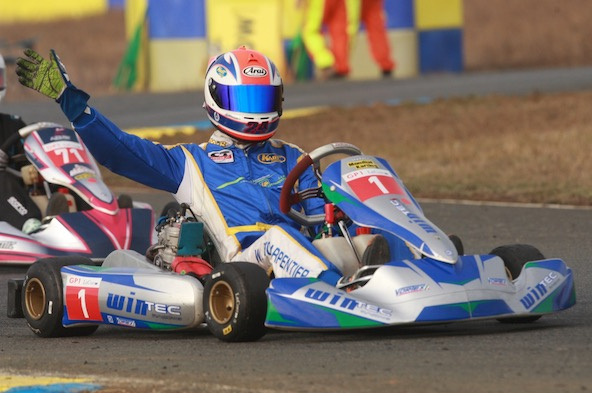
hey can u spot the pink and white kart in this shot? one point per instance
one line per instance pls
(95, 223)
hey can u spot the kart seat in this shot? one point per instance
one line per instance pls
(125, 201)
(31, 178)
(59, 203)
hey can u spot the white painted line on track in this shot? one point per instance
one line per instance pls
(504, 204)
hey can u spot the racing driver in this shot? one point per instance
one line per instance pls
(233, 181)
(16, 206)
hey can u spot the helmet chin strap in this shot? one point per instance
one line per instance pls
(243, 145)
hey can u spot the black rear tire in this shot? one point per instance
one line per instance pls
(235, 303)
(515, 256)
(43, 298)
(458, 244)
(170, 209)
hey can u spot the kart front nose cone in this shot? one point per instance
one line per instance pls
(35, 299)
(222, 302)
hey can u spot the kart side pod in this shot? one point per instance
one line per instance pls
(68, 296)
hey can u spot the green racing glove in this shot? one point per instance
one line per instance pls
(42, 75)
(49, 77)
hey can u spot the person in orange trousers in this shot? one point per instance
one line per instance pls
(371, 13)
(333, 61)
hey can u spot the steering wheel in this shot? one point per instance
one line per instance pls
(15, 138)
(287, 199)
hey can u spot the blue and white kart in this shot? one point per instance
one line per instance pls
(513, 283)
(425, 281)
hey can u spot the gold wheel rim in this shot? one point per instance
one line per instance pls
(35, 299)
(221, 302)
(509, 273)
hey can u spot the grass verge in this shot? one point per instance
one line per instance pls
(531, 149)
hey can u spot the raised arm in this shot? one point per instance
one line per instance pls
(127, 155)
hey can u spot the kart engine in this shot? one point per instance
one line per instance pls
(168, 239)
(165, 250)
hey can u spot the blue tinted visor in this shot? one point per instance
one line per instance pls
(247, 98)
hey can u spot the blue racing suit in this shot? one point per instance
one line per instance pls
(233, 189)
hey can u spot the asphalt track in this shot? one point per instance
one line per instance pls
(551, 355)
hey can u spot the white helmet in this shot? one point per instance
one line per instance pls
(2, 78)
(243, 95)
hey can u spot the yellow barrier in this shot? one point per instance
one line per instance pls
(436, 14)
(36, 10)
(232, 23)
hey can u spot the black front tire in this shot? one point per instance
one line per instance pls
(235, 303)
(43, 298)
(515, 256)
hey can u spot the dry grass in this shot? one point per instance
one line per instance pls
(522, 149)
(526, 33)
(525, 149)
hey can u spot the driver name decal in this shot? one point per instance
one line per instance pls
(283, 260)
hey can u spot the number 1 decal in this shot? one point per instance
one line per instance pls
(366, 187)
(82, 299)
(375, 180)
(82, 303)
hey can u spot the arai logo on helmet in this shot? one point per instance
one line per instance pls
(255, 71)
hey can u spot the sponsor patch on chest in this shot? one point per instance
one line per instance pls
(270, 158)
(221, 156)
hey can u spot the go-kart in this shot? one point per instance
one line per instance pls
(90, 221)
(430, 283)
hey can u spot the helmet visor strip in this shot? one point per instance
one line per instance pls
(247, 98)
